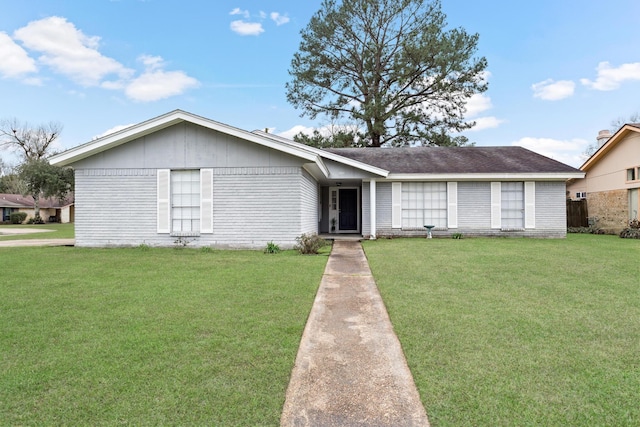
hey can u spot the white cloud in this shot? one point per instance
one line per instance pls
(489, 122)
(610, 78)
(477, 104)
(550, 90)
(565, 151)
(290, 133)
(155, 83)
(14, 60)
(68, 51)
(238, 11)
(112, 130)
(279, 19)
(247, 28)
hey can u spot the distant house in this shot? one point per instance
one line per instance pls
(184, 177)
(51, 209)
(612, 180)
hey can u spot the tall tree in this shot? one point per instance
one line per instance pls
(340, 139)
(30, 142)
(44, 180)
(390, 65)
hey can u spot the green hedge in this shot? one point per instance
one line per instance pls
(17, 217)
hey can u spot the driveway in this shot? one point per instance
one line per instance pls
(36, 242)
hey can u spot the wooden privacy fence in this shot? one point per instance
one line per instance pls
(577, 214)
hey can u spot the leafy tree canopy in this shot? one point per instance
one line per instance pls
(389, 65)
(44, 180)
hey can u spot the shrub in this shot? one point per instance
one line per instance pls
(309, 243)
(17, 217)
(181, 242)
(456, 236)
(35, 220)
(593, 228)
(272, 248)
(633, 231)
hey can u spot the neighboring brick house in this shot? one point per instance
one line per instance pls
(612, 180)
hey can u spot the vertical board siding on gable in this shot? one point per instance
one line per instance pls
(188, 146)
(474, 205)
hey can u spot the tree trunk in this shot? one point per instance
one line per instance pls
(36, 206)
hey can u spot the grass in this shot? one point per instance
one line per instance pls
(147, 336)
(60, 231)
(506, 332)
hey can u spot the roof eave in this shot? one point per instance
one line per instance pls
(608, 146)
(145, 128)
(327, 155)
(540, 176)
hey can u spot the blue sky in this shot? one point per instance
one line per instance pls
(559, 71)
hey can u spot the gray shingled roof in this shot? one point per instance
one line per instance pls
(455, 160)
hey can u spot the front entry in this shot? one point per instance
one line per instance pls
(348, 213)
(344, 211)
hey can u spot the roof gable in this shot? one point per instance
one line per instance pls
(621, 134)
(129, 134)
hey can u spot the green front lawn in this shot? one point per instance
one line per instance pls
(515, 332)
(145, 336)
(59, 231)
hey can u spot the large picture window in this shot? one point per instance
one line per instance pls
(424, 203)
(185, 201)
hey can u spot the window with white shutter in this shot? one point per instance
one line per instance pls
(185, 201)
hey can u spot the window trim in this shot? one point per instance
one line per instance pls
(529, 194)
(437, 188)
(163, 203)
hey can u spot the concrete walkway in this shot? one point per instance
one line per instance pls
(350, 369)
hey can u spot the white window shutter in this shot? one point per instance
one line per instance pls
(206, 200)
(452, 205)
(496, 205)
(163, 177)
(530, 204)
(396, 205)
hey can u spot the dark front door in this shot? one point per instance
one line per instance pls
(348, 216)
